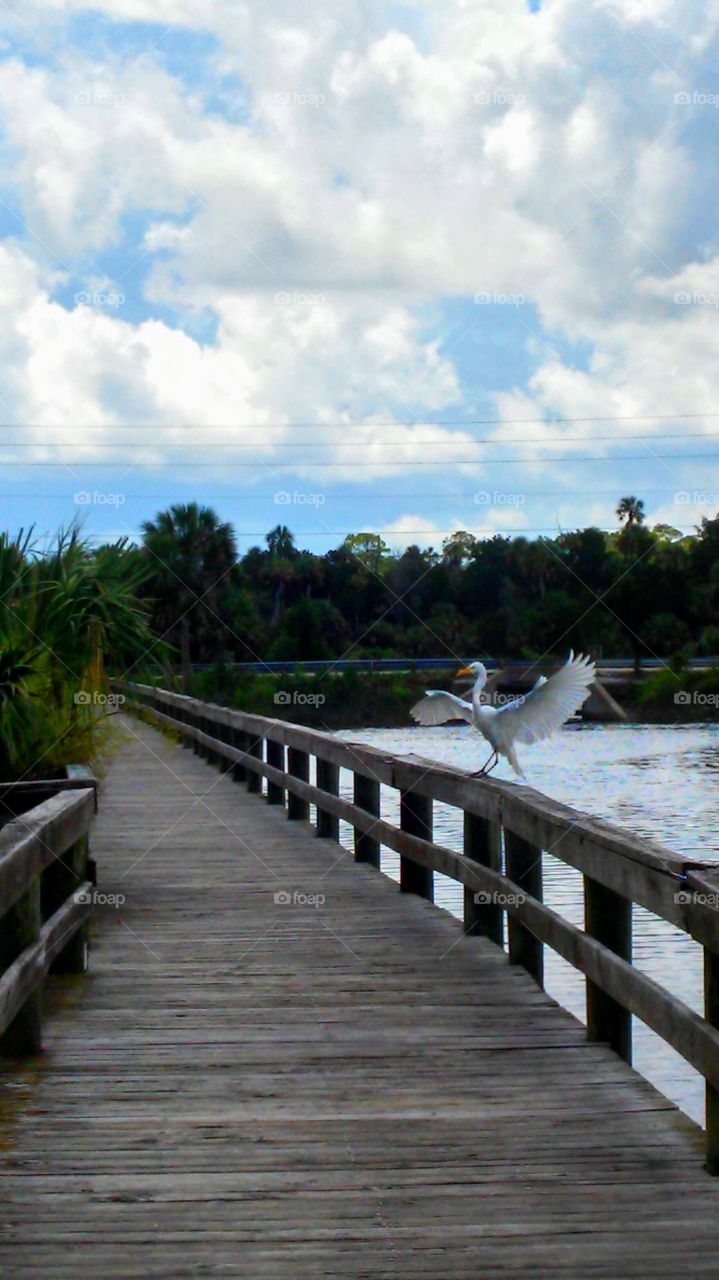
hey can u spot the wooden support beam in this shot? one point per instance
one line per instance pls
(298, 766)
(523, 865)
(275, 757)
(482, 913)
(416, 820)
(608, 918)
(328, 779)
(19, 929)
(711, 1013)
(254, 747)
(366, 796)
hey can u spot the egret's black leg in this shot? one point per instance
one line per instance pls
(488, 765)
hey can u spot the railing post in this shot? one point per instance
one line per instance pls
(298, 766)
(523, 865)
(60, 881)
(328, 779)
(483, 843)
(608, 918)
(711, 1013)
(416, 820)
(255, 747)
(21, 927)
(366, 796)
(239, 741)
(275, 757)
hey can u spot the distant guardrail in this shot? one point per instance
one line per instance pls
(431, 664)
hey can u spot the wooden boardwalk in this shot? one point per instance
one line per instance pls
(246, 1087)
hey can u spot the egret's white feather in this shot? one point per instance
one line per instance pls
(548, 706)
(437, 707)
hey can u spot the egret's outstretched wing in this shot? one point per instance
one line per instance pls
(550, 703)
(437, 707)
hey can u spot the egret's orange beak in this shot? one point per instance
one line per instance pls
(464, 671)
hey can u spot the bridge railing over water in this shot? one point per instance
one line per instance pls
(507, 829)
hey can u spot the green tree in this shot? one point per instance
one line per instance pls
(191, 553)
(630, 511)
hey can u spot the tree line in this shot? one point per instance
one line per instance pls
(636, 590)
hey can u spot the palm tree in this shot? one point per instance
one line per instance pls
(192, 551)
(630, 511)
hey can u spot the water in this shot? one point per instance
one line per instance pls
(657, 781)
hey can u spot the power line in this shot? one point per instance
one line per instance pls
(248, 494)
(273, 465)
(414, 422)
(345, 444)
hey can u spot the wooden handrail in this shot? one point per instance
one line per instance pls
(46, 896)
(619, 869)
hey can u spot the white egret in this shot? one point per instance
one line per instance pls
(526, 719)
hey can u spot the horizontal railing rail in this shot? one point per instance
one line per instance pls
(508, 829)
(46, 896)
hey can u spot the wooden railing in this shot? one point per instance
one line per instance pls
(46, 895)
(507, 829)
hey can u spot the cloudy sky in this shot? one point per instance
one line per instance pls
(407, 267)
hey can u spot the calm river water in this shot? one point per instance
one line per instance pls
(658, 781)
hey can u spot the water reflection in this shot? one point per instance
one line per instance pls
(650, 779)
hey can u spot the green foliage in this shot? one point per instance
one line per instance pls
(65, 613)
